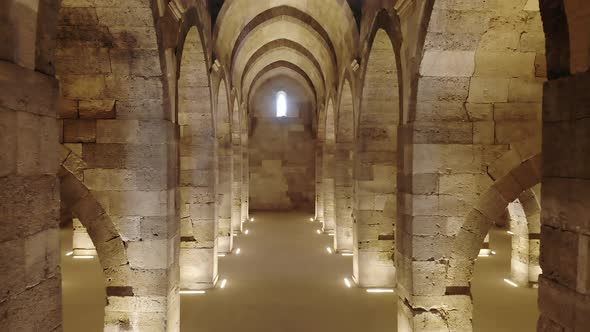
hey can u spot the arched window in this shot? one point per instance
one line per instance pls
(281, 104)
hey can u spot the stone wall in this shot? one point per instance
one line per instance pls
(29, 201)
(282, 155)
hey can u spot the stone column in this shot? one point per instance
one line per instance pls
(30, 280)
(328, 185)
(236, 194)
(198, 252)
(564, 286)
(319, 188)
(245, 183)
(524, 263)
(114, 103)
(374, 215)
(343, 197)
(224, 197)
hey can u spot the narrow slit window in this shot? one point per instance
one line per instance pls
(281, 104)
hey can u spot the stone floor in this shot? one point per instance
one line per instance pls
(284, 280)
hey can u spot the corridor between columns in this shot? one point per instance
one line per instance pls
(285, 280)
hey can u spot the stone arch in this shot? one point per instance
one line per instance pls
(491, 206)
(275, 13)
(286, 44)
(224, 176)
(328, 185)
(524, 216)
(317, 88)
(110, 247)
(343, 166)
(376, 166)
(198, 258)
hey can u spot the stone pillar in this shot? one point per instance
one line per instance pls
(564, 286)
(30, 280)
(328, 185)
(374, 217)
(343, 197)
(319, 188)
(524, 216)
(81, 242)
(245, 183)
(224, 197)
(236, 193)
(114, 104)
(198, 234)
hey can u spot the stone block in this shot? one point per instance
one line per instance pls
(146, 254)
(504, 64)
(522, 90)
(77, 60)
(77, 16)
(483, 132)
(67, 109)
(514, 111)
(443, 89)
(117, 131)
(134, 37)
(133, 87)
(83, 86)
(8, 142)
(448, 63)
(79, 131)
(97, 109)
(488, 90)
(138, 62)
(433, 158)
(480, 112)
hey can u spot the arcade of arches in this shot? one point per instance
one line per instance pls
(424, 136)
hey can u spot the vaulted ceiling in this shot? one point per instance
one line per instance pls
(311, 41)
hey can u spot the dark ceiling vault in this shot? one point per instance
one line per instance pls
(355, 5)
(357, 8)
(214, 9)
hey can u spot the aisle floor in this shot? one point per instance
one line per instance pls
(284, 280)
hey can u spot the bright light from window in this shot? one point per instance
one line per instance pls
(281, 104)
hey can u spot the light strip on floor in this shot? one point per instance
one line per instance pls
(346, 254)
(251, 219)
(215, 279)
(189, 291)
(510, 232)
(223, 283)
(329, 250)
(331, 234)
(379, 290)
(247, 231)
(311, 219)
(69, 253)
(318, 231)
(347, 282)
(238, 251)
(510, 282)
(220, 255)
(493, 252)
(83, 256)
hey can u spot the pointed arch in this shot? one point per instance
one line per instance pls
(376, 167)
(198, 258)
